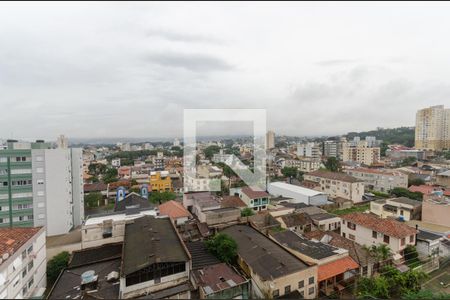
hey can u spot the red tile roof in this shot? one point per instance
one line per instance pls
(11, 239)
(389, 227)
(427, 189)
(218, 277)
(253, 193)
(232, 201)
(334, 176)
(336, 267)
(174, 210)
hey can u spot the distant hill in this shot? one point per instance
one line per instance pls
(401, 135)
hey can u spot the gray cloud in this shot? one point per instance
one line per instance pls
(193, 62)
(183, 37)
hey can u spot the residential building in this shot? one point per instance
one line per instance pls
(303, 164)
(428, 244)
(209, 171)
(337, 185)
(428, 190)
(255, 198)
(433, 128)
(298, 222)
(154, 260)
(379, 180)
(443, 179)
(160, 181)
(232, 201)
(335, 266)
(22, 263)
(361, 154)
(326, 221)
(311, 150)
(367, 261)
(62, 142)
(40, 186)
(270, 139)
(401, 208)
(297, 193)
(133, 201)
(368, 229)
(331, 148)
(396, 154)
(109, 228)
(273, 270)
(176, 211)
(436, 210)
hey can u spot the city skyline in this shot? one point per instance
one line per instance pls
(129, 70)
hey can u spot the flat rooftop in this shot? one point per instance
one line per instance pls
(295, 189)
(266, 258)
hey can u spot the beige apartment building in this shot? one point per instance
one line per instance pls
(380, 180)
(361, 153)
(270, 139)
(337, 185)
(433, 128)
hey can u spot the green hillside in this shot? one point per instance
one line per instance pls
(401, 135)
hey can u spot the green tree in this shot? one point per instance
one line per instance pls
(56, 265)
(416, 181)
(134, 182)
(223, 247)
(383, 148)
(411, 256)
(110, 175)
(425, 295)
(402, 192)
(332, 164)
(96, 169)
(211, 150)
(447, 155)
(247, 212)
(290, 172)
(93, 199)
(159, 198)
(376, 287)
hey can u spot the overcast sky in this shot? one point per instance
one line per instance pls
(129, 69)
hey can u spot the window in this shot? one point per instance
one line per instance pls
(24, 254)
(365, 270)
(40, 181)
(30, 283)
(24, 272)
(343, 234)
(24, 290)
(311, 280)
(401, 213)
(276, 293)
(41, 205)
(386, 239)
(40, 193)
(41, 216)
(39, 158)
(351, 237)
(411, 238)
(351, 226)
(287, 289)
(30, 266)
(30, 249)
(4, 183)
(311, 290)
(39, 170)
(301, 284)
(402, 241)
(374, 234)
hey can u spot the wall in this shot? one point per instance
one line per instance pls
(435, 213)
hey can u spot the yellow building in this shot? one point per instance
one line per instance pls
(160, 182)
(433, 128)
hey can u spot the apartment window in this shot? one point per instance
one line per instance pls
(301, 284)
(3, 159)
(30, 265)
(39, 158)
(4, 183)
(24, 290)
(365, 270)
(401, 213)
(41, 204)
(386, 239)
(402, 241)
(311, 290)
(30, 249)
(351, 237)
(374, 234)
(39, 170)
(343, 234)
(24, 272)
(276, 293)
(411, 238)
(40, 181)
(351, 225)
(30, 283)
(40, 193)
(287, 289)
(311, 280)
(24, 254)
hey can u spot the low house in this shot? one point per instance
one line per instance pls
(133, 201)
(273, 270)
(436, 210)
(402, 208)
(368, 262)
(220, 281)
(222, 216)
(297, 193)
(254, 198)
(443, 179)
(175, 211)
(428, 244)
(326, 221)
(232, 201)
(368, 229)
(198, 203)
(298, 222)
(335, 265)
(155, 260)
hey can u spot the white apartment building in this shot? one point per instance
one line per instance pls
(22, 263)
(58, 196)
(433, 128)
(367, 230)
(309, 150)
(303, 164)
(380, 180)
(336, 185)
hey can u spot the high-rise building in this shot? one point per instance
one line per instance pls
(331, 148)
(41, 186)
(361, 153)
(270, 139)
(62, 142)
(309, 150)
(433, 128)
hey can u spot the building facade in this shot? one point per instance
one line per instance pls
(433, 128)
(380, 180)
(270, 139)
(361, 153)
(41, 186)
